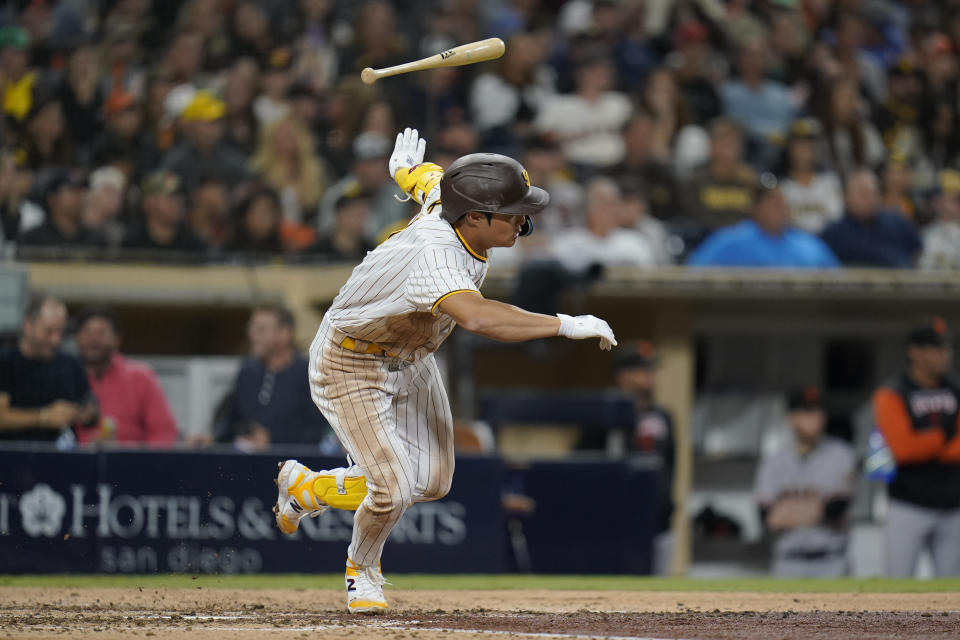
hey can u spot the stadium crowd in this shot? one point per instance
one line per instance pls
(220, 129)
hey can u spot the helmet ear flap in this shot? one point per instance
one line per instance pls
(527, 227)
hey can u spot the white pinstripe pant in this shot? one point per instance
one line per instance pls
(396, 425)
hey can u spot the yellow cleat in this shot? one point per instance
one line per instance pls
(302, 492)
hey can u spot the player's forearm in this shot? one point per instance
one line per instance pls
(507, 323)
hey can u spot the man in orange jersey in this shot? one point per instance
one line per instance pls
(917, 414)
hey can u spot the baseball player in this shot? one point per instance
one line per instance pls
(372, 369)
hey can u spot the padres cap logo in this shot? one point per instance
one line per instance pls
(526, 177)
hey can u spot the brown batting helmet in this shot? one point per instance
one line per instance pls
(490, 183)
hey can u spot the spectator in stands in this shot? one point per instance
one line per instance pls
(43, 391)
(270, 401)
(203, 152)
(721, 193)
(64, 196)
(917, 413)
(761, 107)
(766, 240)
(82, 95)
(122, 143)
(104, 204)
(635, 215)
(897, 178)
(133, 408)
(694, 63)
(815, 195)
(287, 162)
(209, 205)
(17, 213)
(647, 161)
(17, 78)
(46, 142)
(240, 123)
(602, 241)
(587, 123)
(804, 492)
(368, 178)
(852, 140)
(868, 236)
(513, 91)
(256, 225)
(347, 241)
(271, 104)
(162, 226)
(941, 238)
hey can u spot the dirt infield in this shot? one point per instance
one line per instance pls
(218, 614)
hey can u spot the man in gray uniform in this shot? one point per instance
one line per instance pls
(803, 492)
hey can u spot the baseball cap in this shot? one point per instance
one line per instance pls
(948, 182)
(690, 31)
(14, 36)
(641, 354)
(370, 145)
(204, 107)
(63, 178)
(279, 59)
(161, 182)
(806, 398)
(930, 334)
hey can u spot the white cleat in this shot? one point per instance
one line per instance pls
(365, 589)
(302, 492)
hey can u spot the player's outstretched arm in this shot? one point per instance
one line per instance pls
(505, 322)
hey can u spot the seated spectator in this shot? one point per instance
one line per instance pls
(587, 123)
(695, 64)
(133, 408)
(203, 151)
(635, 214)
(917, 414)
(208, 209)
(347, 241)
(82, 95)
(647, 160)
(804, 493)
(815, 196)
(761, 107)
(104, 204)
(162, 226)
(368, 178)
(287, 162)
(44, 392)
(721, 192)
(45, 141)
(602, 241)
(868, 236)
(897, 189)
(941, 238)
(64, 196)
(256, 225)
(17, 78)
(122, 142)
(765, 241)
(270, 401)
(17, 213)
(512, 91)
(852, 140)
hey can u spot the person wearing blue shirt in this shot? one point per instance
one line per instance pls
(766, 240)
(867, 236)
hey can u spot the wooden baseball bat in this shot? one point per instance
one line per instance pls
(479, 51)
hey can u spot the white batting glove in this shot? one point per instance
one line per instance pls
(581, 327)
(407, 152)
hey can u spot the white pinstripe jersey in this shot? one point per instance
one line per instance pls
(391, 297)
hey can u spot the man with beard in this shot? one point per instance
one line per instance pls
(43, 391)
(132, 404)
